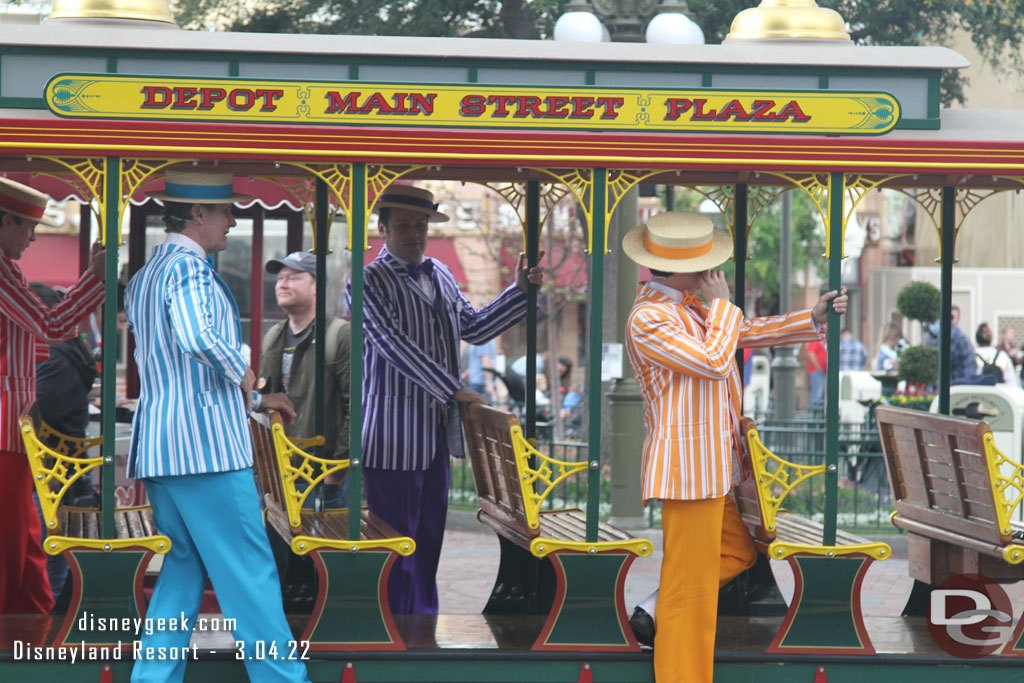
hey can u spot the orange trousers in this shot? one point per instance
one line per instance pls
(706, 545)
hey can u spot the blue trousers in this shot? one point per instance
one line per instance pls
(216, 529)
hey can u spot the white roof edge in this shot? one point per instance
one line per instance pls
(83, 34)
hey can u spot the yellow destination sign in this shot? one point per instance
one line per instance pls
(470, 105)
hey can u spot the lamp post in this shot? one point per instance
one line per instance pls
(633, 21)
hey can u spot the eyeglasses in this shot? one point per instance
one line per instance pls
(298, 277)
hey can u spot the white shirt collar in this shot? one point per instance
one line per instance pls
(673, 294)
(179, 240)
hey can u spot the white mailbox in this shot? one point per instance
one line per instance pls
(758, 391)
(856, 386)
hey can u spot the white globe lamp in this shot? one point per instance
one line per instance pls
(579, 27)
(674, 28)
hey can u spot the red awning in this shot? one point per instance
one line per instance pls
(440, 248)
(52, 259)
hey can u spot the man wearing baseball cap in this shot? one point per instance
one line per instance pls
(683, 350)
(191, 443)
(288, 364)
(415, 317)
(25, 321)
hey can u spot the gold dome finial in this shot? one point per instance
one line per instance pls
(145, 10)
(788, 20)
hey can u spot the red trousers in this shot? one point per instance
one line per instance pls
(706, 545)
(24, 587)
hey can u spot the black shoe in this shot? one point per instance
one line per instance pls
(642, 624)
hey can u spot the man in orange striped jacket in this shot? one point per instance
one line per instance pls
(684, 354)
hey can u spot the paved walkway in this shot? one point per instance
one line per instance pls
(469, 564)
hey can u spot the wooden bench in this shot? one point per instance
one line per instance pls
(584, 601)
(99, 567)
(824, 616)
(351, 612)
(955, 494)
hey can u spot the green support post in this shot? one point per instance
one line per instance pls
(111, 224)
(321, 230)
(532, 256)
(357, 222)
(836, 190)
(598, 222)
(947, 258)
(739, 253)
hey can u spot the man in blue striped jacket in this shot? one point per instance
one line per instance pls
(191, 444)
(414, 318)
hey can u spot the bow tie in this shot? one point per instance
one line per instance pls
(424, 267)
(691, 299)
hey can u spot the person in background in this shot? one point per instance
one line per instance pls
(963, 365)
(817, 359)
(1009, 346)
(989, 355)
(954, 315)
(890, 340)
(288, 360)
(63, 383)
(852, 354)
(479, 359)
(25, 324)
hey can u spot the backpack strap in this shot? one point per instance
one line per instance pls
(331, 339)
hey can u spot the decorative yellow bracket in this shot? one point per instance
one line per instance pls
(550, 472)
(284, 449)
(787, 475)
(1007, 484)
(68, 464)
(541, 547)
(403, 545)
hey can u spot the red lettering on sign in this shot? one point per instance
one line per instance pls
(557, 107)
(528, 105)
(269, 97)
(211, 96)
(472, 105)
(611, 105)
(501, 104)
(793, 111)
(183, 98)
(377, 101)
(241, 99)
(761, 110)
(336, 104)
(582, 108)
(699, 113)
(735, 111)
(156, 97)
(677, 106)
(422, 104)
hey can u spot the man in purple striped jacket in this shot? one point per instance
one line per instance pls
(414, 318)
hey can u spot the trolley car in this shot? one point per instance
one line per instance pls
(99, 110)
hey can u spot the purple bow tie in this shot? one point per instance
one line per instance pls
(424, 267)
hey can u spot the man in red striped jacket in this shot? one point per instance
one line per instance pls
(683, 351)
(25, 324)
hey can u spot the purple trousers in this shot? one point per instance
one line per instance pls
(415, 503)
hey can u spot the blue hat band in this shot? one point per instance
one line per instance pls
(199, 191)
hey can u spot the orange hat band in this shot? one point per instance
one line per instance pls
(8, 203)
(678, 252)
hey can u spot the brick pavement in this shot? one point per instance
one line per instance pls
(469, 563)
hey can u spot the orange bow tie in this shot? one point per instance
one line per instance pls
(691, 299)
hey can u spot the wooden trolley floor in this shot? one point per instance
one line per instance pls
(475, 648)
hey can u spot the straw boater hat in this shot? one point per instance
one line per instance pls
(413, 198)
(199, 187)
(24, 202)
(678, 242)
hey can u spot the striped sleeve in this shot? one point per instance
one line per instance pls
(481, 326)
(51, 325)
(794, 327)
(192, 318)
(395, 346)
(664, 341)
